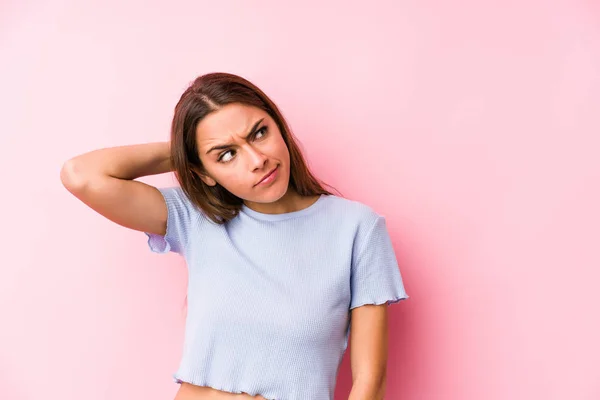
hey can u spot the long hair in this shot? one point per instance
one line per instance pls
(206, 94)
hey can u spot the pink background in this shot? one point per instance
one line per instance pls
(473, 126)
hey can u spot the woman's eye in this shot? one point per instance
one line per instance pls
(224, 156)
(257, 135)
(229, 154)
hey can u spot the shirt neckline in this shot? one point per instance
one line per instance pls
(279, 217)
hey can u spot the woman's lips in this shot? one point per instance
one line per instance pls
(269, 178)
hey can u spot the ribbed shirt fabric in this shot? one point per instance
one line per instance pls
(269, 295)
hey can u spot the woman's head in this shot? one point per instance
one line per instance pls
(226, 136)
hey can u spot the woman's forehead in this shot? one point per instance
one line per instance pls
(230, 121)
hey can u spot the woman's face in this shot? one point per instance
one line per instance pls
(239, 145)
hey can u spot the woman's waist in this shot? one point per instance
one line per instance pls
(187, 391)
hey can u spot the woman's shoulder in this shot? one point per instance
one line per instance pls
(351, 209)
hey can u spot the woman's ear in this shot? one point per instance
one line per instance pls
(205, 178)
(208, 180)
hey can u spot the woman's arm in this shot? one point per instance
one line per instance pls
(103, 179)
(123, 162)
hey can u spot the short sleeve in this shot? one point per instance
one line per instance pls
(180, 212)
(375, 276)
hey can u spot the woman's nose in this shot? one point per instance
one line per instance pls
(257, 159)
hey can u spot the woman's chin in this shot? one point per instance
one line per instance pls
(268, 195)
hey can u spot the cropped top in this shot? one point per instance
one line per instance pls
(269, 295)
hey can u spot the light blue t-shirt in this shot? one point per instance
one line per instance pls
(269, 295)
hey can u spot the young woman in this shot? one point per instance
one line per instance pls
(278, 266)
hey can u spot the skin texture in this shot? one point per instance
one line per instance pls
(192, 392)
(369, 351)
(249, 159)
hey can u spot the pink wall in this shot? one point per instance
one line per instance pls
(473, 126)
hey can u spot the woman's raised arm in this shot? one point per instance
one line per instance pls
(103, 179)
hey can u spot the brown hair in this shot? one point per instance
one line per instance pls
(206, 94)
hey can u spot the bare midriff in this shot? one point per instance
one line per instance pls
(188, 391)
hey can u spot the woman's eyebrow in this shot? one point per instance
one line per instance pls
(225, 146)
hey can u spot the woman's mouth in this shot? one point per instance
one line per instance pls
(270, 177)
